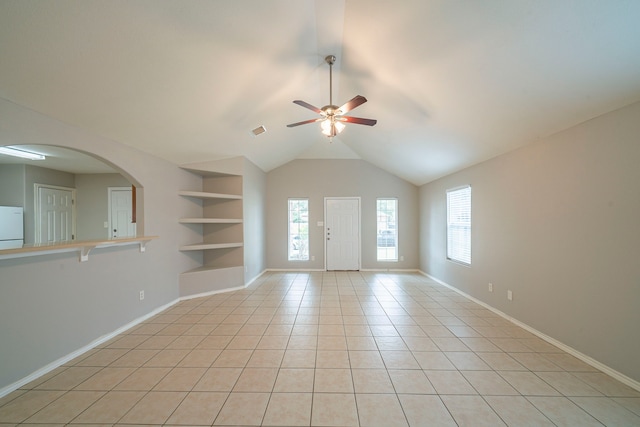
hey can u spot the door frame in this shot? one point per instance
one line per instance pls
(359, 199)
(110, 191)
(37, 238)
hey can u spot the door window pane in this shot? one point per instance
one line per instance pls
(298, 229)
(387, 224)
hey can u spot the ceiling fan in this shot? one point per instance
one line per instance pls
(332, 117)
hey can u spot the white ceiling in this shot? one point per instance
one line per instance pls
(451, 83)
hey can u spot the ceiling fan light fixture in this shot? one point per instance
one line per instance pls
(332, 118)
(330, 127)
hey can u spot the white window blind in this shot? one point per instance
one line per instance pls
(459, 224)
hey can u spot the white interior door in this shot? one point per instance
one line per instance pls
(54, 214)
(342, 233)
(120, 213)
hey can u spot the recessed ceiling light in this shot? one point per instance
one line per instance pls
(15, 152)
(259, 130)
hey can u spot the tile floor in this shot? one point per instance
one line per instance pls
(326, 349)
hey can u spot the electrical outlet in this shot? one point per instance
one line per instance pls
(313, 257)
(490, 287)
(401, 257)
(510, 295)
(141, 295)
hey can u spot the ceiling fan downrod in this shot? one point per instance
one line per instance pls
(330, 59)
(328, 126)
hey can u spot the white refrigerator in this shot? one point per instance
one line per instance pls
(11, 227)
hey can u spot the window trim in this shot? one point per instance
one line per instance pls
(448, 224)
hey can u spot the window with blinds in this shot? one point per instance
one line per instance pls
(459, 224)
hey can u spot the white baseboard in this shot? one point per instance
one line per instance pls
(382, 270)
(572, 351)
(57, 363)
(247, 284)
(209, 293)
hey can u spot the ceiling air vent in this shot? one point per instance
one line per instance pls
(260, 129)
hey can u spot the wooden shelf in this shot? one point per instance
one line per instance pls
(207, 246)
(210, 221)
(205, 195)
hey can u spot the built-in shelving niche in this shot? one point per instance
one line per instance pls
(221, 232)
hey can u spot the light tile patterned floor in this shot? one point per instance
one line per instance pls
(326, 349)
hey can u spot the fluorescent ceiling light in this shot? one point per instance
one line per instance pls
(9, 151)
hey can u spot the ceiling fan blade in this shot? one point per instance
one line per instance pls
(309, 106)
(305, 122)
(353, 103)
(357, 120)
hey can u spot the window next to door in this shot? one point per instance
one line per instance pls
(387, 225)
(459, 224)
(298, 230)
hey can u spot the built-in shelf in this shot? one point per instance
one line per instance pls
(210, 221)
(82, 247)
(205, 195)
(206, 246)
(205, 269)
(218, 221)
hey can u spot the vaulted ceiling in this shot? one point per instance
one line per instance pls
(451, 83)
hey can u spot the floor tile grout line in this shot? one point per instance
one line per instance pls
(330, 298)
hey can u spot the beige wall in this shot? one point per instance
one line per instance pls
(557, 223)
(53, 305)
(12, 185)
(317, 179)
(92, 203)
(254, 201)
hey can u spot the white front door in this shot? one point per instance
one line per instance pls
(54, 214)
(342, 233)
(120, 213)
